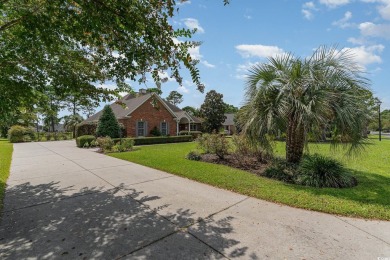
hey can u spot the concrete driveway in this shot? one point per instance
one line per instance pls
(69, 203)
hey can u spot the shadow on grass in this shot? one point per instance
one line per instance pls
(47, 221)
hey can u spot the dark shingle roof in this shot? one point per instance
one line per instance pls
(229, 119)
(132, 102)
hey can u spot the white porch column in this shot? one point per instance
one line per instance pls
(189, 126)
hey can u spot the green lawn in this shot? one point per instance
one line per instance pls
(370, 199)
(6, 149)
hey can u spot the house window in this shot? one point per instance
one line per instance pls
(140, 128)
(193, 127)
(164, 128)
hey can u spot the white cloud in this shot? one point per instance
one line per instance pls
(369, 29)
(309, 5)
(307, 14)
(258, 50)
(207, 64)
(243, 69)
(195, 53)
(343, 22)
(365, 55)
(357, 41)
(248, 17)
(193, 23)
(307, 10)
(334, 3)
(384, 10)
(164, 75)
(183, 89)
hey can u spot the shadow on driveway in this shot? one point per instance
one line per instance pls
(106, 224)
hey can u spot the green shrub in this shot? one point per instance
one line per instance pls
(244, 148)
(108, 124)
(82, 140)
(48, 136)
(29, 134)
(215, 144)
(280, 170)
(105, 143)
(320, 171)
(56, 136)
(39, 136)
(128, 144)
(86, 128)
(194, 156)
(155, 131)
(204, 143)
(94, 143)
(18, 134)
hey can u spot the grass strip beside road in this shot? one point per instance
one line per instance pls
(6, 150)
(370, 199)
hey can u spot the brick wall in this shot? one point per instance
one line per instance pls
(147, 113)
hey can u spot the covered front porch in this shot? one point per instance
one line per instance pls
(186, 124)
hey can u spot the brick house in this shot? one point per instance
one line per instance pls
(142, 111)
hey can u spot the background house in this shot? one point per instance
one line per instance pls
(142, 111)
(228, 125)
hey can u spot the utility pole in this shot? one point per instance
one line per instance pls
(378, 103)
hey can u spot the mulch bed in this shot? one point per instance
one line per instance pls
(250, 164)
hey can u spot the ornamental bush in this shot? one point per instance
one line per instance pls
(194, 156)
(214, 143)
(105, 143)
(18, 134)
(108, 124)
(320, 171)
(281, 170)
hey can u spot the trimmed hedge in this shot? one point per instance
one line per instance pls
(82, 140)
(86, 128)
(194, 134)
(158, 140)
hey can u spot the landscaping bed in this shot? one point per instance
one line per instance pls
(249, 164)
(369, 199)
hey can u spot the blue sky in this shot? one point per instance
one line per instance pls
(245, 32)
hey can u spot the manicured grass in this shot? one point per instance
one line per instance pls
(369, 199)
(6, 149)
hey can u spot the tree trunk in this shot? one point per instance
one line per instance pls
(52, 124)
(295, 141)
(74, 105)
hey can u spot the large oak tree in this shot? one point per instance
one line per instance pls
(73, 45)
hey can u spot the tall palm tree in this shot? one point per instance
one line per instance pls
(303, 96)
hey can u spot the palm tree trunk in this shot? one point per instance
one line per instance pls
(295, 141)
